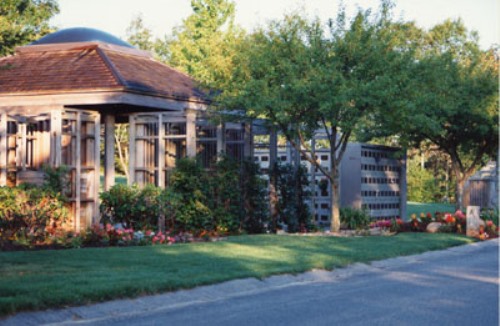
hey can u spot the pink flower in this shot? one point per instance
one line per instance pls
(489, 223)
(459, 214)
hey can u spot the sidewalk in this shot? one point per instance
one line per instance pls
(233, 289)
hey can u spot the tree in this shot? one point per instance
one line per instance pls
(203, 46)
(139, 35)
(121, 143)
(301, 79)
(454, 100)
(24, 21)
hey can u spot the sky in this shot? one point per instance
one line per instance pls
(161, 16)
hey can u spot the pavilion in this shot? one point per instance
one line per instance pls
(62, 95)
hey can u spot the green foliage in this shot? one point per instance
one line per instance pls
(117, 204)
(196, 201)
(490, 214)
(302, 79)
(291, 182)
(24, 21)
(451, 99)
(57, 179)
(131, 206)
(204, 45)
(224, 196)
(139, 35)
(253, 192)
(422, 186)
(190, 183)
(354, 219)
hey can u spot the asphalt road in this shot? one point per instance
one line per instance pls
(458, 286)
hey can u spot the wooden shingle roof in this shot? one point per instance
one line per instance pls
(92, 67)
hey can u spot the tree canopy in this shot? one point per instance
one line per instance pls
(204, 45)
(453, 94)
(24, 21)
(302, 79)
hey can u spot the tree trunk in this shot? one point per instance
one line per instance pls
(334, 195)
(459, 190)
(335, 206)
(461, 177)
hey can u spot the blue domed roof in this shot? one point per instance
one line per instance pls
(80, 34)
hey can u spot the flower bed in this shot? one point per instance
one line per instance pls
(445, 222)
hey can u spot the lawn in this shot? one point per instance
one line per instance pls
(417, 208)
(54, 278)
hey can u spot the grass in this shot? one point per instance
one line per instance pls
(46, 279)
(417, 208)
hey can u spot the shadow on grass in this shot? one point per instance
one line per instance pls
(46, 279)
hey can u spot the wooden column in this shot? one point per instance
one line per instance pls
(24, 144)
(3, 149)
(109, 151)
(78, 172)
(55, 131)
(191, 133)
(160, 179)
(97, 167)
(131, 150)
(248, 141)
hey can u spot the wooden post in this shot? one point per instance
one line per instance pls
(160, 182)
(97, 167)
(78, 172)
(191, 133)
(248, 141)
(109, 151)
(3, 149)
(141, 158)
(56, 130)
(131, 150)
(24, 144)
(22, 147)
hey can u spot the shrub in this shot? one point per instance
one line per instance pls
(189, 182)
(255, 205)
(291, 186)
(131, 206)
(117, 204)
(354, 218)
(56, 179)
(490, 214)
(28, 214)
(224, 196)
